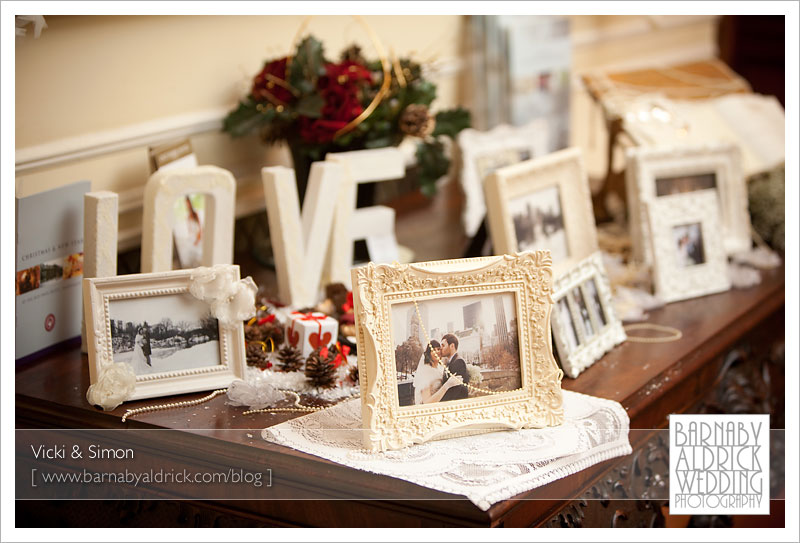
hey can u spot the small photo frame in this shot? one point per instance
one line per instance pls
(543, 203)
(483, 152)
(584, 324)
(653, 173)
(455, 347)
(689, 257)
(169, 339)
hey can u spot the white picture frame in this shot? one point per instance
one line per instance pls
(384, 293)
(127, 299)
(654, 172)
(585, 326)
(482, 152)
(549, 200)
(689, 257)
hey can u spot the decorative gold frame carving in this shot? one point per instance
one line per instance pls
(538, 403)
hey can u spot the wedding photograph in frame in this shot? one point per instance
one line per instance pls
(166, 336)
(455, 347)
(689, 258)
(584, 324)
(543, 203)
(483, 152)
(655, 172)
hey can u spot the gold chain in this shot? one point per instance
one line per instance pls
(675, 334)
(439, 360)
(173, 405)
(298, 409)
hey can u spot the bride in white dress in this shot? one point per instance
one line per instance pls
(139, 360)
(428, 387)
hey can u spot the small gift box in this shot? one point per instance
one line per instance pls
(310, 331)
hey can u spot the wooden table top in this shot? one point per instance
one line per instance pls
(638, 375)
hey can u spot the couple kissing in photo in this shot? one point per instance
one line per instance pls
(431, 383)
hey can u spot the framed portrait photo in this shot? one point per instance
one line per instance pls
(543, 203)
(483, 152)
(689, 258)
(455, 347)
(584, 324)
(653, 173)
(152, 325)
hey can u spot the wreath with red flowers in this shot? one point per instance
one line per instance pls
(310, 103)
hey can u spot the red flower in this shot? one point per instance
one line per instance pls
(270, 83)
(348, 73)
(340, 88)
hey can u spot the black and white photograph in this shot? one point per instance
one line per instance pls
(539, 222)
(685, 183)
(594, 300)
(583, 311)
(689, 244)
(444, 343)
(565, 316)
(157, 334)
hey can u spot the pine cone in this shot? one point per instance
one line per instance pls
(290, 358)
(258, 357)
(337, 292)
(320, 371)
(273, 330)
(353, 375)
(417, 121)
(353, 54)
(253, 332)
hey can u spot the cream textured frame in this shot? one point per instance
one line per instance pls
(100, 292)
(606, 337)
(538, 403)
(673, 282)
(160, 193)
(563, 169)
(647, 164)
(474, 145)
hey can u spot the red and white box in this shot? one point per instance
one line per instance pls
(309, 331)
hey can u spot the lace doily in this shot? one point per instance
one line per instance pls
(485, 468)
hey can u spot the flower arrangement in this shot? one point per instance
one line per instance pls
(317, 106)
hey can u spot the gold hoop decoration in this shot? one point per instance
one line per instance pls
(385, 64)
(675, 334)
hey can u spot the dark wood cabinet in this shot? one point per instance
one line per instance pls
(729, 360)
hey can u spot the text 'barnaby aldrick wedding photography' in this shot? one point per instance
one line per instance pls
(719, 464)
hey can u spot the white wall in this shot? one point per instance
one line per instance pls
(93, 91)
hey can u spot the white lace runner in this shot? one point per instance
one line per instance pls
(485, 468)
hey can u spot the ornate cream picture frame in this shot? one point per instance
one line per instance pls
(650, 168)
(482, 152)
(382, 292)
(584, 324)
(689, 257)
(554, 192)
(194, 340)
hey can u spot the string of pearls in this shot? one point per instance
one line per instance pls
(439, 360)
(173, 405)
(674, 333)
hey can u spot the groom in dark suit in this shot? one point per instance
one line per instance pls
(456, 365)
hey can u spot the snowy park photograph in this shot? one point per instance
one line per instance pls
(164, 333)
